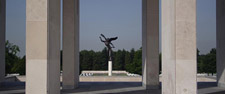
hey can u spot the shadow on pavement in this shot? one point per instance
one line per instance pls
(110, 88)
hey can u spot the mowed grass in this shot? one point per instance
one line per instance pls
(106, 74)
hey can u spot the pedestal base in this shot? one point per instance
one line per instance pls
(109, 68)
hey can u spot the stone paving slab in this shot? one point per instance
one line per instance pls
(122, 79)
(204, 87)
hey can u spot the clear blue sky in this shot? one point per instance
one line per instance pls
(120, 18)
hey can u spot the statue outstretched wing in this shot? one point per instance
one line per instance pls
(111, 39)
(103, 36)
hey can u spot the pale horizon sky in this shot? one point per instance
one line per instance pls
(122, 18)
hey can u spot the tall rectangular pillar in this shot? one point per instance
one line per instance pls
(70, 44)
(42, 46)
(220, 50)
(150, 44)
(2, 39)
(179, 66)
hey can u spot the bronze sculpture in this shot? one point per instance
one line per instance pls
(107, 42)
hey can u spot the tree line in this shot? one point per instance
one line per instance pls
(130, 61)
(206, 63)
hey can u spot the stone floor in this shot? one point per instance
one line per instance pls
(204, 87)
(111, 88)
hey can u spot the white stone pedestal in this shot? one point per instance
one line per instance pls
(110, 68)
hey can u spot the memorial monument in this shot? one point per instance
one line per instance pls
(109, 45)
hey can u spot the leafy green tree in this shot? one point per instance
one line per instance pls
(104, 59)
(128, 60)
(132, 52)
(97, 61)
(199, 62)
(20, 66)
(123, 59)
(137, 62)
(136, 65)
(87, 62)
(207, 62)
(11, 57)
(211, 61)
(100, 60)
(117, 64)
(119, 60)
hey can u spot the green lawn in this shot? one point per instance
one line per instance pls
(106, 74)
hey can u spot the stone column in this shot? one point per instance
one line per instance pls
(42, 46)
(2, 39)
(70, 44)
(220, 53)
(179, 47)
(150, 44)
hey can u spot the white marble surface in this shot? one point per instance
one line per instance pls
(179, 66)
(43, 46)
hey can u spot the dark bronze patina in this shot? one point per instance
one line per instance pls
(108, 44)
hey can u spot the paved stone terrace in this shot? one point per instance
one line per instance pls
(207, 85)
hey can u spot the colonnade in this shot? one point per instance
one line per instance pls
(179, 66)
